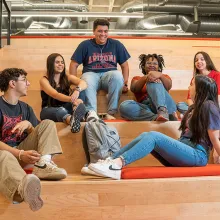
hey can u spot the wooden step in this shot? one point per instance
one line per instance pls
(74, 158)
(81, 198)
(34, 100)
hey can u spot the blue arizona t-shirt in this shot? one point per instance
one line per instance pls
(100, 58)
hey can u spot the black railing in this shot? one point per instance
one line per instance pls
(8, 22)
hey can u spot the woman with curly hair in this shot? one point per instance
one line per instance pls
(151, 91)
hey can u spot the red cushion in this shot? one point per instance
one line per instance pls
(116, 120)
(29, 170)
(169, 172)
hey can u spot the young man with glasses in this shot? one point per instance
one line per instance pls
(154, 103)
(99, 57)
(24, 141)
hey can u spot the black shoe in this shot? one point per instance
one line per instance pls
(78, 114)
(173, 117)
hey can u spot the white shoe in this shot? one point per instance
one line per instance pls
(109, 117)
(106, 168)
(92, 115)
(106, 116)
(86, 171)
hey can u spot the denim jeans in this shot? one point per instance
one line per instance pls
(180, 153)
(182, 107)
(57, 114)
(111, 82)
(147, 110)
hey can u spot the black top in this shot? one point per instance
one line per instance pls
(10, 115)
(48, 101)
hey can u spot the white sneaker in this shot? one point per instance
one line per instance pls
(106, 168)
(92, 115)
(86, 171)
(106, 116)
(48, 170)
(109, 117)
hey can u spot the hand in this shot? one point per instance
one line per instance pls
(153, 75)
(74, 96)
(216, 158)
(20, 127)
(77, 102)
(124, 89)
(30, 157)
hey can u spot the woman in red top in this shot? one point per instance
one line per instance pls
(202, 65)
(154, 102)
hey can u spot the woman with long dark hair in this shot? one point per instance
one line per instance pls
(203, 65)
(154, 102)
(60, 94)
(200, 132)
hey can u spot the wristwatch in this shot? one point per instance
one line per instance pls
(78, 89)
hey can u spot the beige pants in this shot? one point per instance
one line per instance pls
(43, 139)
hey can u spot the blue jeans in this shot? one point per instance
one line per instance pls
(182, 107)
(180, 153)
(147, 110)
(57, 114)
(112, 82)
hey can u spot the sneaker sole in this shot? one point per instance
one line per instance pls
(161, 118)
(100, 172)
(32, 190)
(78, 115)
(91, 173)
(56, 176)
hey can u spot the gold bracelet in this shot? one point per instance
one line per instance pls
(20, 153)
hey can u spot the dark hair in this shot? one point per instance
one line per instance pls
(10, 74)
(64, 83)
(209, 64)
(102, 22)
(206, 90)
(144, 58)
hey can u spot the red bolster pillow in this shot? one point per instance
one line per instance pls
(169, 172)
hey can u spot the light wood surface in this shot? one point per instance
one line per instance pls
(92, 198)
(31, 54)
(174, 198)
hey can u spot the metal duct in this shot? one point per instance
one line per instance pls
(136, 6)
(186, 23)
(53, 22)
(33, 5)
(21, 23)
(63, 22)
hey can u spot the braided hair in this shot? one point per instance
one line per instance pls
(144, 58)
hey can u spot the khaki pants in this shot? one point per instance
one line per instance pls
(43, 139)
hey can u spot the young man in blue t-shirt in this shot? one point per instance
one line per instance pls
(99, 57)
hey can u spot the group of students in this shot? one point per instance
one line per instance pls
(24, 140)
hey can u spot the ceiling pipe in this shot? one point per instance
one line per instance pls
(149, 7)
(187, 23)
(76, 7)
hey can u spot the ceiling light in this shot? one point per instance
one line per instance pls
(73, 14)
